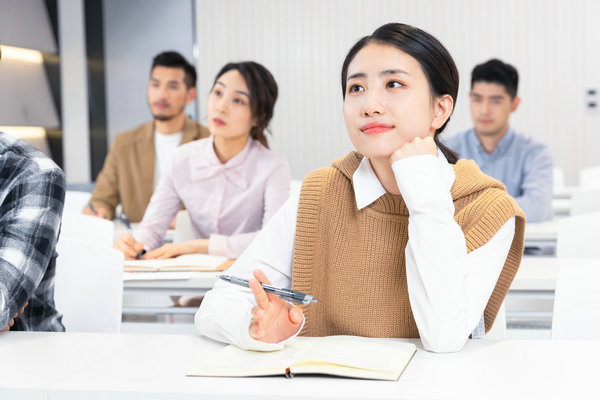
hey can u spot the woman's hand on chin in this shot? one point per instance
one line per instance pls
(416, 147)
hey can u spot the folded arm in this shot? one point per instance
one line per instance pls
(448, 287)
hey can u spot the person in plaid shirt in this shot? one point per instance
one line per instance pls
(32, 193)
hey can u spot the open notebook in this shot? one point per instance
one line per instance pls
(186, 262)
(349, 356)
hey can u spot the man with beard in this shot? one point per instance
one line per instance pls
(138, 157)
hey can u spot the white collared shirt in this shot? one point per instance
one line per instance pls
(448, 287)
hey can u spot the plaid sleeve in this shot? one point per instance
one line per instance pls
(32, 192)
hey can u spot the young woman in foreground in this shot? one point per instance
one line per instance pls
(230, 183)
(397, 239)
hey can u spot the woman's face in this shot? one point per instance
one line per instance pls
(388, 101)
(229, 113)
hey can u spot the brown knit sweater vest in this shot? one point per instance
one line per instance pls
(353, 260)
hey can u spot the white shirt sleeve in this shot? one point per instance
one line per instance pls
(224, 314)
(448, 287)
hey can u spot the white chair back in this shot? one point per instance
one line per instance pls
(88, 288)
(183, 228)
(576, 313)
(585, 201)
(87, 228)
(589, 178)
(579, 236)
(75, 201)
(558, 178)
(498, 329)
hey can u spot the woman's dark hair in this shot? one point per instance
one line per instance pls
(436, 62)
(263, 94)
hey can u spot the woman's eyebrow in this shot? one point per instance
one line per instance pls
(237, 91)
(357, 75)
(384, 72)
(393, 72)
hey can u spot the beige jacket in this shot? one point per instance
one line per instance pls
(127, 176)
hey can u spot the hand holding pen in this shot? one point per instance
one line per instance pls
(90, 210)
(287, 294)
(273, 319)
(127, 244)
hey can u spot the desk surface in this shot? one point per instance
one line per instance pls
(120, 366)
(564, 192)
(539, 273)
(173, 283)
(541, 231)
(561, 206)
(535, 273)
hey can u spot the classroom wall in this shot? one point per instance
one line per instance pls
(551, 42)
(26, 98)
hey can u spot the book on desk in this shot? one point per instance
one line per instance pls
(186, 262)
(346, 356)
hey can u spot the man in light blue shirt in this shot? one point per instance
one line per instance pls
(522, 164)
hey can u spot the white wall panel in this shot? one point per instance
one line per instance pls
(74, 91)
(551, 42)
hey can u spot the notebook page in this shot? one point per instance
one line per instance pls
(189, 260)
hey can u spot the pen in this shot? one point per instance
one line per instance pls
(128, 226)
(91, 207)
(286, 294)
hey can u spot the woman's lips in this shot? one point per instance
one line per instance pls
(373, 128)
(218, 121)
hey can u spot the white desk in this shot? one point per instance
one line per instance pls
(561, 206)
(541, 234)
(174, 283)
(539, 273)
(564, 192)
(536, 278)
(61, 366)
(534, 274)
(531, 295)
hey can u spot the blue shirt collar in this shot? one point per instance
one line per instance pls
(502, 146)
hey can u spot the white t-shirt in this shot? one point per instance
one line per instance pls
(164, 144)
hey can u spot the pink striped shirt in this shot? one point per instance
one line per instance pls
(228, 203)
